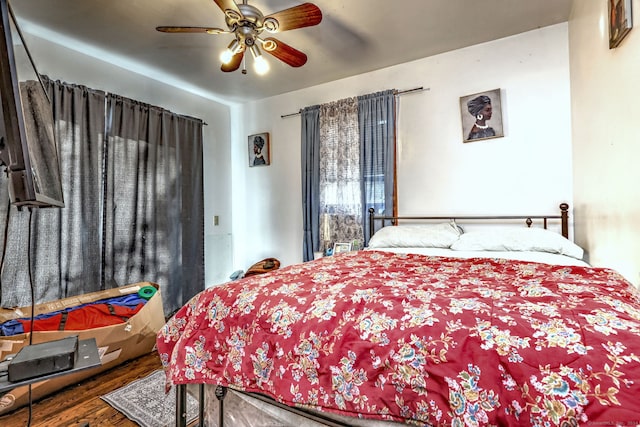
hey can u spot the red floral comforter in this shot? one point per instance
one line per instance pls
(428, 340)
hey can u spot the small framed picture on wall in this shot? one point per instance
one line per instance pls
(620, 21)
(259, 149)
(481, 116)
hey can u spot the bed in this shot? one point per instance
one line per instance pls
(435, 324)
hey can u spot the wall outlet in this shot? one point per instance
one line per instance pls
(216, 220)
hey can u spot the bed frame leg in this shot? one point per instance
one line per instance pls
(201, 405)
(221, 392)
(181, 405)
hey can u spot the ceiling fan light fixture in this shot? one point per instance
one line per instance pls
(227, 54)
(260, 65)
(268, 44)
(271, 24)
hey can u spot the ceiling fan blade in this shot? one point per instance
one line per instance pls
(229, 7)
(234, 64)
(284, 52)
(207, 30)
(304, 15)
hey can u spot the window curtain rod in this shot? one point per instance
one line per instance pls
(183, 116)
(396, 92)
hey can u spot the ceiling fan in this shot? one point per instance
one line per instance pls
(247, 23)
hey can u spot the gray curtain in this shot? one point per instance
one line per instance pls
(65, 243)
(376, 118)
(310, 123)
(133, 205)
(154, 220)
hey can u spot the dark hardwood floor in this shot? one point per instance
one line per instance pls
(80, 404)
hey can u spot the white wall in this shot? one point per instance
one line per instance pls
(605, 90)
(61, 63)
(527, 171)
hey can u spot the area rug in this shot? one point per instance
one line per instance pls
(145, 402)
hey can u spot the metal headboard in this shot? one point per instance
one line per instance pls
(528, 219)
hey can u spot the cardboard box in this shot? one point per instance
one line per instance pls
(116, 343)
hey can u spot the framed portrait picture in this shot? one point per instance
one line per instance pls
(481, 115)
(259, 149)
(341, 247)
(620, 22)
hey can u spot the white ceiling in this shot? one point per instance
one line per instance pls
(354, 37)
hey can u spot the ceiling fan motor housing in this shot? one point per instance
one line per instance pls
(248, 26)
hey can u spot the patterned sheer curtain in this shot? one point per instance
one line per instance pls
(340, 193)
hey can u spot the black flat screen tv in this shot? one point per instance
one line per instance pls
(28, 147)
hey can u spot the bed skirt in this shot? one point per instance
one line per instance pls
(246, 410)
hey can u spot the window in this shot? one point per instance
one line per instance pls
(347, 167)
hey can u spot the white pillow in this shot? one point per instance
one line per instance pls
(517, 239)
(440, 235)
